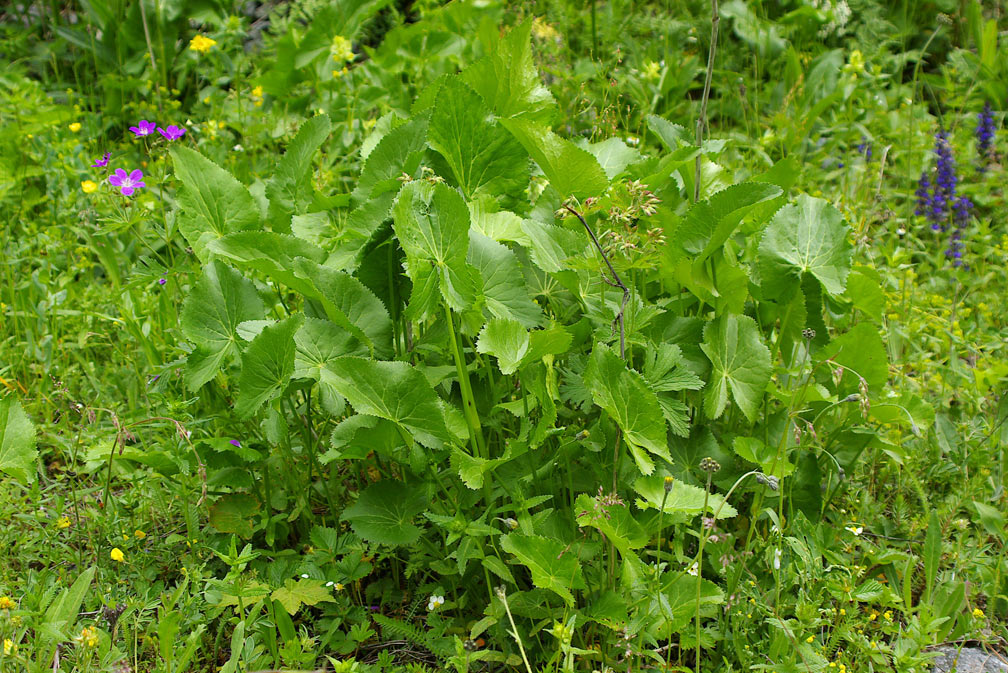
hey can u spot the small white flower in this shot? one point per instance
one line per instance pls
(434, 602)
(857, 530)
(238, 148)
(694, 570)
(776, 559)
(304, 576)
(633, 141)
(329, 584)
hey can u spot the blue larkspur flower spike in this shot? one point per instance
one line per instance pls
(985, 135)
(923, 195)
(936, 206)
(962, 211)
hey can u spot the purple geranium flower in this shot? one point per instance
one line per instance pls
(103, 162)
(235, 442)
(172, 132)
(127, 184)
(162, 281)
(144, 129)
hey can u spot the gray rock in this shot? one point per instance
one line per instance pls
(970, 660)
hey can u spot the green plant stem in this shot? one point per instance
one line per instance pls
(468, 401)
(699, 562)
(702, 117)
(913, 116)
(661, 516)
(514, 631)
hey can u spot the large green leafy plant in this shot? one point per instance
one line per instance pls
(511, 352)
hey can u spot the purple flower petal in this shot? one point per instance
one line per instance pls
(162, 281)
(145, 128)
(173, 132)
(127, 183)
(235, 442)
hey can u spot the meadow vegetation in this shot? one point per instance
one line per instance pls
(374, 335)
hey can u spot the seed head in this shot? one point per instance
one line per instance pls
(708, 464)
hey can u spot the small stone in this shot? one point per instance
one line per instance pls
(968, 660)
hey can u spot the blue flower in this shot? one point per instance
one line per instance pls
(864, 148)
(985, 135)
(923, 194)
(962, 209)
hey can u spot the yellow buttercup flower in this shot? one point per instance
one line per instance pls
(139, 534)
(201, 44)
(117, 555)
(342, 49)
(75, 127)
(64, 521)
(8, 646)
(88, 186)
(978, 613)
(7, 603)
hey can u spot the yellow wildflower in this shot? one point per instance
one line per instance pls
(543, 31)
(64, 521)
(652, 70)
(339, 73)
(117, 555)
(88, 636)
(7, 603)
(978, 613)
(201, 44)
(139, 534)
(342, 49)
(75, 127)
(338, 587)
(257, 96)
(888, 615)
(810, 639)
(873, 616)
(8, 646)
